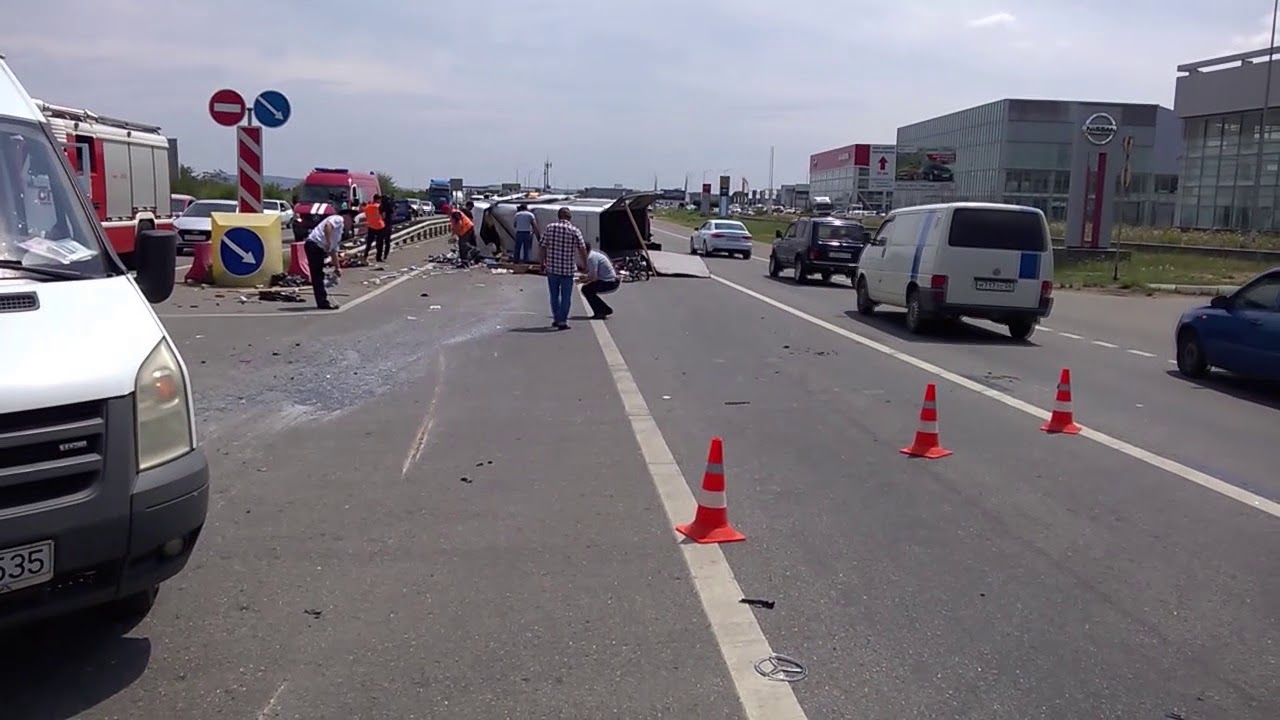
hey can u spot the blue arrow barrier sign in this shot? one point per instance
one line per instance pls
(271, 109)
(242, 252)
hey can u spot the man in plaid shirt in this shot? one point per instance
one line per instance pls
(562, 248)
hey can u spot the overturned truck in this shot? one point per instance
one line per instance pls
(616, 227)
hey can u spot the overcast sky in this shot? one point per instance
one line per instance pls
(611, 91)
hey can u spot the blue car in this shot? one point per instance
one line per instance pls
(1239, 332)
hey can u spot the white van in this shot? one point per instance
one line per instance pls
(103, 487)
(980, 260)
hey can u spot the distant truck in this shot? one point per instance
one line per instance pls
(439, 192)
(122, 167)
(822, 205)
(323, 193)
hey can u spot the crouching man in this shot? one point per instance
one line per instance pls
(601, 280)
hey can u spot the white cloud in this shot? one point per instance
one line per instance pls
(992, 20)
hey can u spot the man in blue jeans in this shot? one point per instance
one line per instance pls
(526, 227)
(563, 249)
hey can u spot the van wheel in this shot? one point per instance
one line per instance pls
(915, 314)
(1021, 329)
(1191, 359)
(865, 306)
(775, 269)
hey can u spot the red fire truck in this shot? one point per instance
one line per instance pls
(122, 167)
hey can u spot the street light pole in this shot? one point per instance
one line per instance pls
(1256, 220)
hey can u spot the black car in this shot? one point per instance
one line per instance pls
(402, 213)
(819, 245)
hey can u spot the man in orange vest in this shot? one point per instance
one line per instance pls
(375, 229)
(465, 230)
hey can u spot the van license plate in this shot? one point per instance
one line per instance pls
(840, 255)
(25, 566)
(989, 285)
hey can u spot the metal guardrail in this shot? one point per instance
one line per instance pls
(428, 229)
(1258, 254)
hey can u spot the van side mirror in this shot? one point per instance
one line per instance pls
(156, 259)
(777, 234)
(1221, 302)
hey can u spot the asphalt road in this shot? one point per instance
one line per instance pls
(431, 506)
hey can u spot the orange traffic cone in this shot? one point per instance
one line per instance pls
(1062, 421)
(926, 444)
(201, 270)
(298, 264)
(711, 522)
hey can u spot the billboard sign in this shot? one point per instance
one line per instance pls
(455, 184)
(724, 186)
(883, 168)
(924, 168)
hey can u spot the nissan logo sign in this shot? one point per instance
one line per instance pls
(1100, 128)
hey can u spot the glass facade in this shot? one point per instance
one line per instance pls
(847, 186)
(1221, 186)
(1020, 152)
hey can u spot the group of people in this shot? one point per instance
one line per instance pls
(563, 250)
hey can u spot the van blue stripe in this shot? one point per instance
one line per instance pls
(1029, 266)
(921, 239)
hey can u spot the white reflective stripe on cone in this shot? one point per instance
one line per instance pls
(713, 499)
(1064, 387)
(715, 469)
(930, 406)
(929, 427)
(1060, 406)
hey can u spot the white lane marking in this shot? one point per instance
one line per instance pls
(1046, 328)
(1172, 466)
(1173, 362)
(428, 420)
(1101, 343)
(1141, 353)
(1073, 336)
(273, 704)
(734, 625)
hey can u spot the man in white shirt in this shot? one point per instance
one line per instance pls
(601, 279)
(324, 242)
(526, 228)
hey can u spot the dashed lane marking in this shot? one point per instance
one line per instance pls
(733, 624)
(1171, 466)
(1070, 335)
(1102, 343)
(1141, 353)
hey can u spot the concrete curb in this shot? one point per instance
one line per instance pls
(1194, 289)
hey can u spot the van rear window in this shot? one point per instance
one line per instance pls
(997, 230)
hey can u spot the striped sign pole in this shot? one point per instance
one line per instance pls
(249, 153)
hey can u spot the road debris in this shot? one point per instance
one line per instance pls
(737, 402)
(753, 602)
(781, 668)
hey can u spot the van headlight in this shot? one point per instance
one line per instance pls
(163, 417)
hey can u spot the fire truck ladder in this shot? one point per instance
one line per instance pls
(76, 115)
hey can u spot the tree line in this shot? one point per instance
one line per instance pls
(218, 186)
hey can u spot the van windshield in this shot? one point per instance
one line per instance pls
(322, 193)
(42, 221)
(1020, 230)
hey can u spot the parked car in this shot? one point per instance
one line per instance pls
(196, 224)
(178, 203)
(428, 208)
(1239, 333)
(281, 208)
(402, 213)
(943, 262)
(726, 236)
(823, 245)
(415, 206)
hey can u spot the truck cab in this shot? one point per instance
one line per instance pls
(103, 485)
(324, 192)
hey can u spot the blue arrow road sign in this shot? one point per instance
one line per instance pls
(242, 252)
(271, 109)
